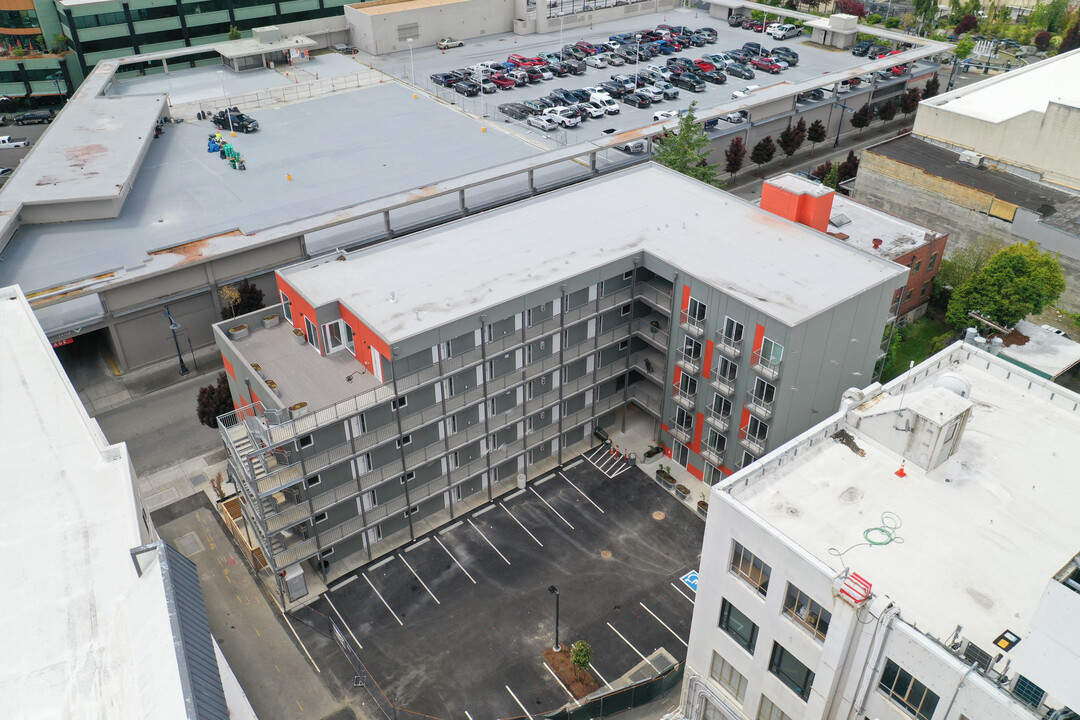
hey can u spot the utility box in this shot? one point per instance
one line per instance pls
(295, 582)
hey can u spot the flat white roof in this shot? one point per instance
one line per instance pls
(1028, 89)
(765, 261)
(1044, 351)
(980, 536)
(87, 636)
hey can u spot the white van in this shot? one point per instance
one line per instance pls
(606, 102)
(783, 32)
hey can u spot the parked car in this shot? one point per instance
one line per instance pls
(637, 145)
(573, 51)
(704, 64)
(487, 86)
(736, 117)
(562, 97)
(665, 115)
(736, 20)
(35, 116)
(591, 110)
(468, 88)
(654, 94)
(576, 67)
(739, 55)
(766, 64)
(861, 48)
(612, 59)
(754, 50)
(344, 49)
(6, 141)
(636, 99)
(231, 120)
(517, 111)
(783, 32)
(629, 57)
(740, 71)
(588, 47)
(753, 25)
(503, 82)
(744, 92)
(612, 88)
(534, 107)
(689, 81)
(449, 42)
(522, 61)
(543, 122)
(445, 79)
(606, 103)
(670, 91)
(598, 61)
(713, 76)
(564, 116)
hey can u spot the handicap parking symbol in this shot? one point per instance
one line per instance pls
(691, 580)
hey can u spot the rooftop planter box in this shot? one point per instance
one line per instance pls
(238, 332)
(270, 321)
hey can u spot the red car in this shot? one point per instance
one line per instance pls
(755, 25)
(522, 61)
(704, 65)
(766, 64)
(588, 47)
(502, 81)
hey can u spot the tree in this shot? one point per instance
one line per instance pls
(832, 178)
(963, 49)
(874, 19)
(213, 401)
(892, 23)
(932, 87)
(1042, 40)
(734, 156)
(234, 33)
(822, 170)
(581, 656)
(686, 150)
(926, 11)
(964, 262)
(240, 299)
(1071, 41)
(862, 117)
(1017, 281)
(966, 24)
(815, 134)
(789, 141)
(909, 101)
(849, 168)
(800, 131)
(850, 7)
(763, 152)
(887, 111)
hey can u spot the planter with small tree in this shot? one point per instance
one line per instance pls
(702, 505)
(238, 332)
(298, 409)
(653, 451)
(682, 491)
(664, 477)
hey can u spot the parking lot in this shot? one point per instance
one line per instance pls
(455, 625)
(814, 61)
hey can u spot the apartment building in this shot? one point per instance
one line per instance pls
(912, 555)
(894, 238)
(411, 381)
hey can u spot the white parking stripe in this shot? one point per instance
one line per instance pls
(551, 508)
(677, 637)
(543, 480)
(416, 544)
(682, 593)
(344, 582)
(376, 566)
(455, 561)
(383, 600)
(489, 542)
(593, 668)
(582, 493)
(419, 578)
(517, 701)
(620, 472)
(468, 715)
(483, 510)
(573, 464)
(301, 643)
(631, 646)
(451, 527)
(334, 608)
(522, 526)
(561, 684)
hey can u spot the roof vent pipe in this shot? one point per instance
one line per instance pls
(969, 335)
(877, 243)
(995, 345)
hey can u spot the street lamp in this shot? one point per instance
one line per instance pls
(174, 326)
(836, 143)
(56, 77)
(412, 68)
(637, 63)
(228, 113)
(555, 591)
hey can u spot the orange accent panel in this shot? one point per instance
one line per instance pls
(685, 297)
(254, 397)
(699, 474)
(228, 366)
(665, 428)
(812, 211)
(20, 31)
(696, 447)
(667, 451)
(678, 375)
(726, 470)
(706, 365)
(364, 338)
(18, 5)
(301, 308)
(759, 337)
(745, 418)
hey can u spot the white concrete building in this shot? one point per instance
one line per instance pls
(914, 555)
(100, 618)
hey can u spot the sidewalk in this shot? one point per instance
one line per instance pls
(103, 387)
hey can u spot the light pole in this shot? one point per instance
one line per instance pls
(56, 77)
(174, 326)
(836, 143)
(555, 591)
(637, 67)
(412, 68)
(228, 113)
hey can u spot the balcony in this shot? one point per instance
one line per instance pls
(683, 434)
(718, 421)
(650, 363)
(723, 384)
(653, 330)
(729, 346)
(712, 455)
(766, 368)
(753, 443)
(658, 297)
(647, 397)
(759, 406)
(688, 362)
(686, 399)
(692, 325)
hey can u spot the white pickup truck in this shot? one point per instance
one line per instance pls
(6, 141)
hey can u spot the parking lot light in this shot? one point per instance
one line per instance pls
(412, 68)
(555, 591)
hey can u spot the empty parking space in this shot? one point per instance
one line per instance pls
(455, 626)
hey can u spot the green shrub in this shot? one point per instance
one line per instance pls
(892, 23)
(874, 19)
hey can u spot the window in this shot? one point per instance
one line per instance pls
(729, 678)
(933, 261)
(407, 477)
(349, 341)
(950, 432)
(721, 405)
(410, 511)
(771, 352)
(326, 553)
(628, 275)
(405, 439)
(764, 392)
(768, 711)
(757, 430)
(907, 692)
(709, 711)
(750, 568)
(793, 673)
(624, 344)
(684, 419)
(307, 441)
(695, 312)
(738, 626)
(286, 307)
(312, 334)
(800, 608)
(918, 265)
(374, 498)
(335, 336)
(399, 403)
(925, 287)
(907, 295)
(716, 441)
(733, 331)
(1025, 691)
(321, 517)
(691, 348)
(748, 458)
(727, 370)
(313, 481)
(687, 385)
(625, 310)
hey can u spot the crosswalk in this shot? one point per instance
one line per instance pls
(608, 459)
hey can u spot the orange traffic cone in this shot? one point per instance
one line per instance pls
(900, 472)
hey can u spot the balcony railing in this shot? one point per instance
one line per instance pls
(759, 406)
(650, 363)
(656, 296)
(718, 421)
(765, 367)
(647, 396)
(752, 443)
(684, 398)
(683, 434)
(716, 457)
(725, 385)
(653, 331)
(688, 362)
(691, 324)
(729, 346)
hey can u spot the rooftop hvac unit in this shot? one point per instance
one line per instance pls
(973, 159)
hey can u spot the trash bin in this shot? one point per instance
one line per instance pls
(521, 481)
(632, 459)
